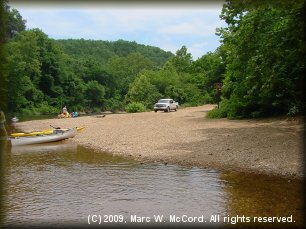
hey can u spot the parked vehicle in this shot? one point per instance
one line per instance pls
(166, 105)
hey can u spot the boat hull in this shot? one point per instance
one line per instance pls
(57, 136)
(44, 132)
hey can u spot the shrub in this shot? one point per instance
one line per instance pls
(114, 104)
(217, 113)
(207, 99)
(135, 107)
(44, 108)
(28, 112)
(293, 111)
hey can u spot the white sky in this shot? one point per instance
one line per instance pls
(166, 26)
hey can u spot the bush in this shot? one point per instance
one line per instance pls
(44, 108)
(135, 107)
(114, 104)
(232, 108)
(207, 99)
(293, 111)
(217, 113)
(27, 112)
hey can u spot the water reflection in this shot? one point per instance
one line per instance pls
(258, 195)
(64, 183)
(55, 147)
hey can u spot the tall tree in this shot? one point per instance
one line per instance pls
(143, 91)
(265, 54)
(14, 22)
(125, 69)
(23, 70)
(95, 93)
(182, 60)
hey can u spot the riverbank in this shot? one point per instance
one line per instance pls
(271, 146)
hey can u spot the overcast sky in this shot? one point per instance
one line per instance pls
(166, 26)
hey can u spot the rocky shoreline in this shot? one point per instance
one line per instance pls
(271, 146)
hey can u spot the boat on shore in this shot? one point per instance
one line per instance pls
(56, 135)
(43, 132)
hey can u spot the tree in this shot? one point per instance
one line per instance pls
(23, 70)
(182, 60)
(143, 91)
(14, 22)
(125, 69)
(208, 70)
(265, 56)
(94, 93)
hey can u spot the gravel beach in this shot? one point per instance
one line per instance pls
(272, 146)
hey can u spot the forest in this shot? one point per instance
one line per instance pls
(260, 65)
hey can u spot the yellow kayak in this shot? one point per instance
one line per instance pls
(44, 132)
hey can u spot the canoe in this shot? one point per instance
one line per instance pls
(43, 132)
(57, 135)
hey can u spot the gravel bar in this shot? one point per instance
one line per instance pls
(272, 146)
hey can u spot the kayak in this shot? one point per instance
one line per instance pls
(43, 132)
(57, 135)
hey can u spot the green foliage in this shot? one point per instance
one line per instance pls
(115, 103)
(265, 55)
(103, 51)
(125, 69)
(88, 75)
(293, 111)
(217, 113)
(207, 99)
(183, 85)
(135, 107)
(33, 70)
(14, 22)
(142, 90)
(182, 60)
(44, 108)
(261, 63)
(208, 70)
(94, 93)
(27, 112)
(78, 73)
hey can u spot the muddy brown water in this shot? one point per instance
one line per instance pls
(64, 183)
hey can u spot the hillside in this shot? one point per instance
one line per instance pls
(102, 51)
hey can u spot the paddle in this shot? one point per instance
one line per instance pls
(57, 128)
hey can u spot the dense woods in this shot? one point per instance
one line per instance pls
(260, 63)
(264, 47)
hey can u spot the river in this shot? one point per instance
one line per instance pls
(67, 184)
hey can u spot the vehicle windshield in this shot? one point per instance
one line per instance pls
(163, 101)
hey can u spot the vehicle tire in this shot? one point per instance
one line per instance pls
(155, 110)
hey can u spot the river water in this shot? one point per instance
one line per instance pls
(66, 184)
